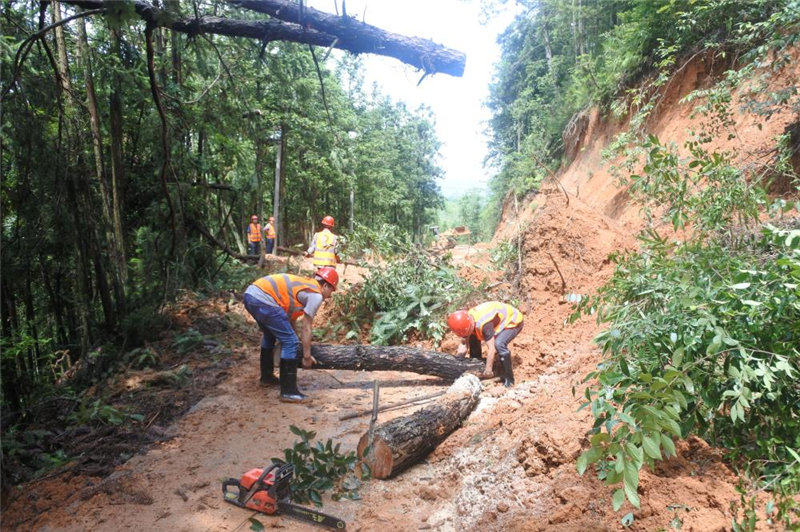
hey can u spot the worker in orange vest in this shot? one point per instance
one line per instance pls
(324, 245)
(254, 236)
(276, 302)
(269, 232)
(493, 323)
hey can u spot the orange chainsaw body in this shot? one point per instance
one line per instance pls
(261, 500)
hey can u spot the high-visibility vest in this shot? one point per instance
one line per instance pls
(324, 248)
(269, 230)
(284, 287)
(486, 312)
(254, 233)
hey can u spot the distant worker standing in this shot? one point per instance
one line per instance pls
(324, 245)
(269, 232)
(254, 236)
(493, 323)
(276, 301)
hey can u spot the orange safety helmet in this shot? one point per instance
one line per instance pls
(328, 221)
(461, 323)
(271, 219)
(329, 275)
(254, 217)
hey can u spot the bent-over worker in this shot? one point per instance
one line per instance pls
(493, 323)
(323, 245)
(276, 301)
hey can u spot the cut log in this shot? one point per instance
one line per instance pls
(404, 441)
(394, 358)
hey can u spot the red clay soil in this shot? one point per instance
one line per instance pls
(511, 466)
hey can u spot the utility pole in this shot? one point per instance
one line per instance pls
(276, 201)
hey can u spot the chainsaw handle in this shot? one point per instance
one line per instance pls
(230, 496)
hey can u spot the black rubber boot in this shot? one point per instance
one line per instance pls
(289, 391)
(268, 377)
(508, 373)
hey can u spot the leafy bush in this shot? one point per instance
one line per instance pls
(384, 241)
(96, 412)
(702, 335)
(321, 467)
(412, 293)
(187, 341)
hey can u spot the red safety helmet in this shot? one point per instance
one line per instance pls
(461, 323)
(254, 217)
(329, 275)
(328, 221)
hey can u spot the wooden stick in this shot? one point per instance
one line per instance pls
(360, 413)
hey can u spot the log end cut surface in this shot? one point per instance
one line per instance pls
(380, 457)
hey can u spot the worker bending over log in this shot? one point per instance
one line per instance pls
(275, 302)
(493, 323)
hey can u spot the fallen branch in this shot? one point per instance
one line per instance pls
(563, 282)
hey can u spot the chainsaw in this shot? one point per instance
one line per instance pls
(267, 491)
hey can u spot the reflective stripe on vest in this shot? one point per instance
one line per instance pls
(324, 246)
(284, 287)
(254, 233)
(486, 312)
(270, 231)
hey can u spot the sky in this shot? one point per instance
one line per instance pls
(457, 102)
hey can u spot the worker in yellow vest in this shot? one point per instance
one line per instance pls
(324, 245)
(254, 236)
(276, 302)
(493, 323)
(269, 232)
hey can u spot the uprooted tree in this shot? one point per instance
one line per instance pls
(293, 22)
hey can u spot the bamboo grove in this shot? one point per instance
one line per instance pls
(133, 156)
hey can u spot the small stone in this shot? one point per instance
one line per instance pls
(502, 507)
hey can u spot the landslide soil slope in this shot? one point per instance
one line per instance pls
(512, 464)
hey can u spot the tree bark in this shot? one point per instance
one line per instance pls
(393, 358)
(404, 441)
(344, 33)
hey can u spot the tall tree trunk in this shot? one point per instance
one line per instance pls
(61, 48)
(548, 50)
(82, 288)
(117, 177)
(280, 187)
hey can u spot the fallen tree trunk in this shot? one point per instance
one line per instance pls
(301, 25)
(404, 441)
(394, 358)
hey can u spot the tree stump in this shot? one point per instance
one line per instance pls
(406, 440)
(394, 358)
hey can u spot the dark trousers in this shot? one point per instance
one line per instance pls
(254, 248)
(501, 341)
(503, 338)
(270, 245)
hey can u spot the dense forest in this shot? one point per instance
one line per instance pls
(135, 147)
(133, 157)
